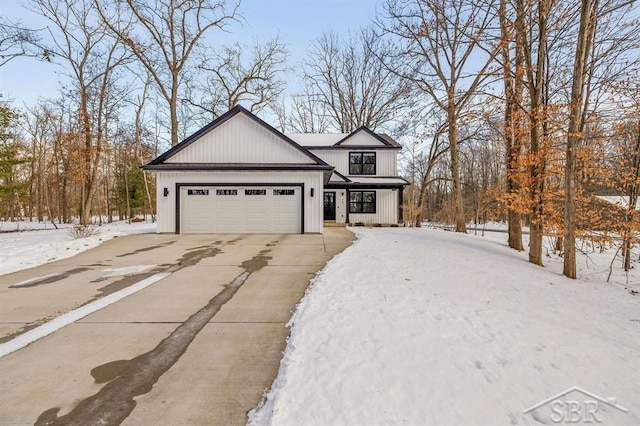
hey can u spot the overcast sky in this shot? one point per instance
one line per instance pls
(297, 22)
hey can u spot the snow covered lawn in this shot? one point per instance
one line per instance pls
(39, 245)
(426, 327)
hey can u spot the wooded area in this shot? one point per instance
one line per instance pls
(524, 111)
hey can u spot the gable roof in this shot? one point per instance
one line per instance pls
(329, 141)
(338, 177)
(317, 139)
(385, 139)
(160, 162)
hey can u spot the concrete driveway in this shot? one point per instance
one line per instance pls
(197, 347)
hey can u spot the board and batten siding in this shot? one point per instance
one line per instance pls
(386, 209)
(240, 140)
(386, 160)
(313, 210)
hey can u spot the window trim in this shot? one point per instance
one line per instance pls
(362, 203)
(362, 163)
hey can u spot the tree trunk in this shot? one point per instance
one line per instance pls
(536, 228)
(173, 108)
(574, 136)
(422, 196)
(632, 192)
(512, 132)
(126, 191)
(515, 230)
(455, 168)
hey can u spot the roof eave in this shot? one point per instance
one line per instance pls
(233, 167)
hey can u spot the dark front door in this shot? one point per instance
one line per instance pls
(329, 206)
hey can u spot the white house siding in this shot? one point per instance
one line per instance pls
(312, 205)
(240, 140)
(386, 160)
(386, 209)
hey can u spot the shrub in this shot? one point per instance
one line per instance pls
(82, 231)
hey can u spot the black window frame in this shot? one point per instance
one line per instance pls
(359, 205)
(357, 168)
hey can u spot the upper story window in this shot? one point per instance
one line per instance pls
(362, 163)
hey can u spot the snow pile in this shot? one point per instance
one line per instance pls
(126, 271)
(22, 250)
(415, 327)
(34, 280)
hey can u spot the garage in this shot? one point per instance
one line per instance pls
(239, 175)
(239, 209)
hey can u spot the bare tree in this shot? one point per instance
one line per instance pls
(443, 50)
(163, 35)
(306, 115)
(422, 164)
(588, 15)
(233, 76)
(512, 67)
(351, 84)
(17, 41)
(605, 35)
(92, 58)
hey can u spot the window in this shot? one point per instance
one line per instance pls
(362, 202)
(226, 192)
(283, 192)
(362, 163)
(255, 192)
(197, 192)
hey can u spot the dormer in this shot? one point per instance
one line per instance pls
(362, 153)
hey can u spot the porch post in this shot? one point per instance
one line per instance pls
(348, 205)
(400, 205)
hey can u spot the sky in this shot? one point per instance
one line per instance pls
(296, 21)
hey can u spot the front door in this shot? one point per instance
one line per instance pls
(329, 206)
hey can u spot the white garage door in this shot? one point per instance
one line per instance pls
(240, 210)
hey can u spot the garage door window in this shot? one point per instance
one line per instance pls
(255, 192)
(198, 192)
(283, 192)
(226, 192)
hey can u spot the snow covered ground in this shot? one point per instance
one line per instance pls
(417, 327)
(39, 243)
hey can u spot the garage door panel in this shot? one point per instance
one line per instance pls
(227, 222)
(240, 209)
(256, 221)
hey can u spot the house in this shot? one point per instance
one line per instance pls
(238, 174)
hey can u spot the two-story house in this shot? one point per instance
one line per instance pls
(238, 174)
